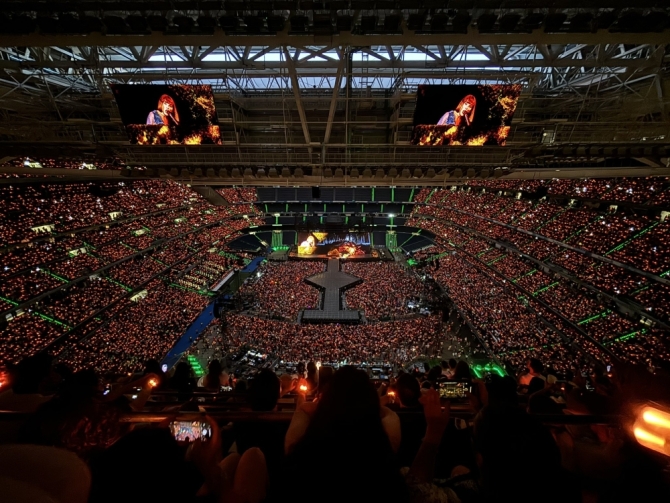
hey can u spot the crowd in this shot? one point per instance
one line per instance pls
(422, 195)
(68, 163)
(77, 302)
(529, 186)
(589, 188)
(238, 194)
(29, 285)
(143, 330)
(649, 252)
(608, 231)
(386, 290)
(655, 296)
(71, 206)
(74, 267)
(25, 335)
(407, 448)
(279, 288)
(490, 307)
(424, 253)
(638, 240)
(105, 292)
(16, 261)
(641, 191)
(390, 342)
(508, 327)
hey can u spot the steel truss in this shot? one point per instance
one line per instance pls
(287, 94)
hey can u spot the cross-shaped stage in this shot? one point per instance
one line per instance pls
(332, 282)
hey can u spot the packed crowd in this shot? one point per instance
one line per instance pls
(386, 290)
(238, 194)
(68, 163)
(640, 191)
(76, 444)
(390, 342)
(77, 302)
(422, 195)
(279, 288)
(51, 264)
(529, 186)
(25, 335)
(143, 330)
(586, 314)
(101, 246)
(68, 207)
(424, 253)
(637, 240)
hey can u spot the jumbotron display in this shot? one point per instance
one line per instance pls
(334, 244)
(464, 115)
(168, 114)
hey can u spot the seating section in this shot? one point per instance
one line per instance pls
(280, 290)
(382, 343)
(582, 290)
(386, 291)
(96, 246)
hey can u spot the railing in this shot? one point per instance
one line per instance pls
(285, 417)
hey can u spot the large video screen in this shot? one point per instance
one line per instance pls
(334, 244)
(168, 114)
(464, 115)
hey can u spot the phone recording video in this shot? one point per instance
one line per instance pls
(226, 389)
(454, 389)
(188, 431)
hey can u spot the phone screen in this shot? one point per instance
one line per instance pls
(453, 389)
(609, 368)
(188, 431)
(226, 388)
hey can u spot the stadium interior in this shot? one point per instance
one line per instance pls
(334, 250)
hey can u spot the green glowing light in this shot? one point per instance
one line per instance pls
(595, 317)
(628, 241)
(8, 301)
(479, 370)
(535, 294)
(195, 365)
(127, 288)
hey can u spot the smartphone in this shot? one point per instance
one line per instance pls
(108, 389)
(188, 431)
(226, 388)
(609, 369)
(454, 389)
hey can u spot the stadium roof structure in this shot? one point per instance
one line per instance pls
(328, 88)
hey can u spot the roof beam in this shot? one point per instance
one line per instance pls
(333, 101)
(296, 93)
(380, 63)
(341, 39)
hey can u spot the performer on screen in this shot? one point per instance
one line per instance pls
(462, 116)
(166, 115)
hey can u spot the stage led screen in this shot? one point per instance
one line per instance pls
(464, 115)
(168, 114)
(333, 244)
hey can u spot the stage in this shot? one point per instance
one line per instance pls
(363, 253)
(331, 283)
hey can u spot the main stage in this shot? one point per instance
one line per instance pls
(362, 253)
